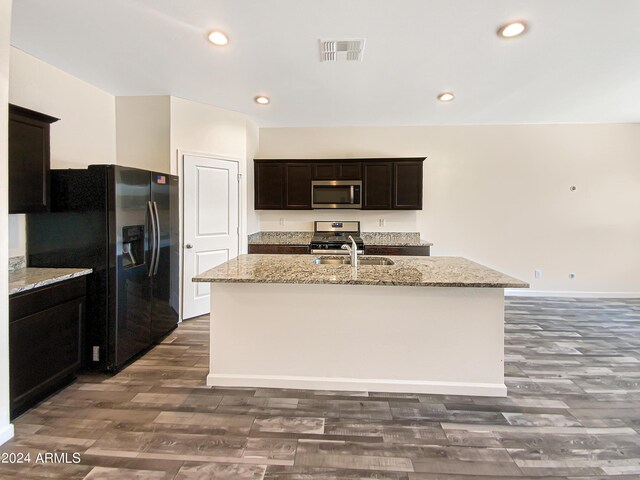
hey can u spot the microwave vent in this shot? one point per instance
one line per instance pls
(339, 50)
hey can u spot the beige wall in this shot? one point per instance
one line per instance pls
(205, 129)
(142, 132)
(200, 128)
(85, 133)
(17, 235)
(6, 429)
(152, 131)
(500, 195)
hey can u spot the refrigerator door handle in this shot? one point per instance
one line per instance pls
(153, 238)
(155, 210)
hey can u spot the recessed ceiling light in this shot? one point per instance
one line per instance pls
(218, 38)
(262, 100)
(446, 97)
(512, 29)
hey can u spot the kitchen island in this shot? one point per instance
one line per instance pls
(421, 325)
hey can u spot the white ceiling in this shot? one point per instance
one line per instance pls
(579, 62)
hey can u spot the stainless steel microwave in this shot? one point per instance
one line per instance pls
(336, 194)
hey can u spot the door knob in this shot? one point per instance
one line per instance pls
(188, 245)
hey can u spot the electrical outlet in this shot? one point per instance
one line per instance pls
(282, 221)
(96, 354)
(381, 222)
(537, 273)
(572, 276)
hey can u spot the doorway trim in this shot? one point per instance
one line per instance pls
(180, 169)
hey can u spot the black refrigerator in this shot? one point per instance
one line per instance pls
(124, 224)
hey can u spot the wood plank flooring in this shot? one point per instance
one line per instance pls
(573, 412)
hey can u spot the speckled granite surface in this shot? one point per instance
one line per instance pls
(396, 239)
(30, 278)
(16, 263)
(393, 239)
(280, 238)
(407, 271)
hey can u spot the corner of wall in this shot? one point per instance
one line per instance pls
(6, 428)
(253, 144)
(17, 235)
(86, 132)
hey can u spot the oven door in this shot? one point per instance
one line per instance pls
(336, 194)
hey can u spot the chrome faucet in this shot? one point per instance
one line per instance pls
(353, 251)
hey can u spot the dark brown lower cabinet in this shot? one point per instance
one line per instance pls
(411, 250)
(279, 249)
(45, 341)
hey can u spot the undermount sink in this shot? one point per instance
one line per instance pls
(331, 261)
(375, 261)
(327, 260)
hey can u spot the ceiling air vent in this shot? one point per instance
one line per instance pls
(334, 50)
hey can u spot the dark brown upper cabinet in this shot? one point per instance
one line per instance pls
(29, 160)
(407, 185)
(377, 185)
(269, 191)
(337, 171)
(387, 183)
(297, 191)
(324, 171)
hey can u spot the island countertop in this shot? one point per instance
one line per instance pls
(407, 271)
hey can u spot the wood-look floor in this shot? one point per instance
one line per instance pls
(573, 411)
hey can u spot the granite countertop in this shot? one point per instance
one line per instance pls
(23, 279)
(407, 271)
(280, 238)
(395, 239)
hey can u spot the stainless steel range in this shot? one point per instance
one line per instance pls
(328, 237)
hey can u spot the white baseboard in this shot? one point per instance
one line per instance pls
(356, 384)
(521, 292)
(6, 433)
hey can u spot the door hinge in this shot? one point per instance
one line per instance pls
(238, 230)
(239, 177)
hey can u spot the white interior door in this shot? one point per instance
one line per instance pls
(210, 224)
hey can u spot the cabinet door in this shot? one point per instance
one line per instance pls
(29, 162)
(412, 250)
(324, 171)
(349, 171)
(280, 249)
(268, 185)
(378, 183)
(44, 349)
(408, 185)
(337, 171)
(298, 186)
